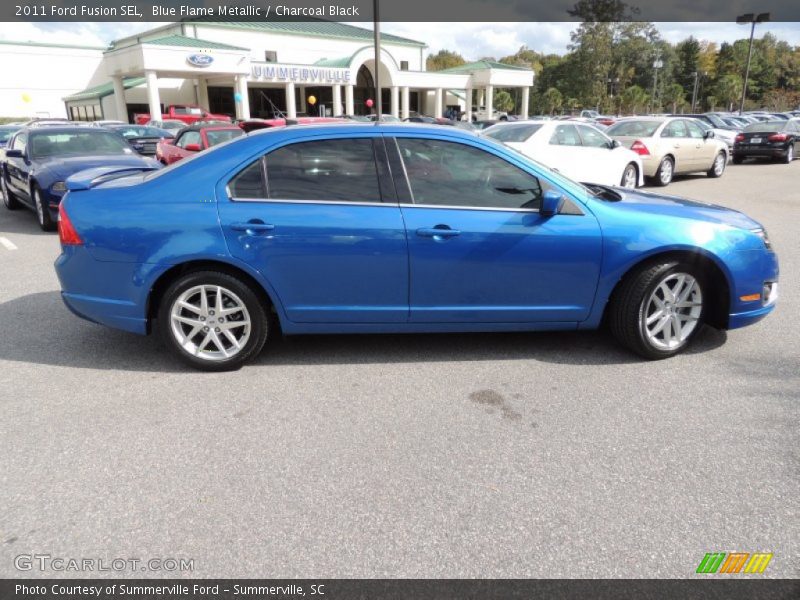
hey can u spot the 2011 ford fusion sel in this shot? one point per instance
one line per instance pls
(359, 228)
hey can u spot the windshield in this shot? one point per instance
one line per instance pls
(77, 143)
(138, 132)
(769, 126)
(217, 136)
(634, 128)
(6, 132)
(512, 133)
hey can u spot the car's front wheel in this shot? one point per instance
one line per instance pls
(46, 222)
(630, 177)
(212, 320)
(658, 309)
(9, 200)
(718, 168)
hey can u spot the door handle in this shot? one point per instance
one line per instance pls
(438, 232)
(676, 146)
(252, 227)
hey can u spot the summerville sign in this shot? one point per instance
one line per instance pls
(300, 74)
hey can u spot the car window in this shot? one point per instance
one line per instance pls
(513, 133)
(217, 136)
(451, 174)
(249, 183)
(633, 128)
(77, 143)
(766, 127)
(695, 131)
(325, 170)
(20, 142)
(593, 138)
(565, 135)
(189, 137)
(674, 129)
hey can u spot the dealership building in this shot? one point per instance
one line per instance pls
(244, 69)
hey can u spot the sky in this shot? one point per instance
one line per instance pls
(471, 40)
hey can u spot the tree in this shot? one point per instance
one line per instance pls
(634, 98)
(674, 95)
(444, 59)
(503, 101)
(688, 63)
(552, 100)
(729, 90)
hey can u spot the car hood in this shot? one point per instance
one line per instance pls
(674, 206)
(62, 167)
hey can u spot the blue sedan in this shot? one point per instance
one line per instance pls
(38, 161)
(396, 228)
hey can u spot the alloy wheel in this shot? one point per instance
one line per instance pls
(629, 177)
(719, 164)
(666, 171)
(672, 311)
(37, 200)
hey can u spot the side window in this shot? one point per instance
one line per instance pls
(451, 174)
(593, 138)
(565, 135)
(249, 183)
(674, 129)
(694, 130)
(21, 142)
(190, 137)
(342, 169)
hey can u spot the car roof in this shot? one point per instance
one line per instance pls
(208, 127)
(64, 129)
(356, 127)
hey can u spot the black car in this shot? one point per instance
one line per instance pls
(142, 138)
(778, 140)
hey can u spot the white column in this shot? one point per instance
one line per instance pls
(202, 93)
(349, 108)
(153, 101)
(243, 106)
(468, 107)
(525, 97)
(119, 99)
(395, 101)
(303, 96)
(291, 109)
(337, 99)
(489, 101)
(437, 104)
(406, 104)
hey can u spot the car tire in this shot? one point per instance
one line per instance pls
(658, 309)
(9, 200)
(789, 154)
(226, 341)
(42, 212)
(718, 167)
(630, 177)
(737, 160)
(665, 172)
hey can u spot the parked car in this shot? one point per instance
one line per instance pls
(170, 125)
(143, 139)
(6, 131)
(420, 119)
(212, 258)
(194, 139)
(187, 113)
(724, 135)
(256, 124)
(479, 113)
(577, 150)
(38, 161)
(671, 145)
(106, 123)
(776, 140)
(385, 118)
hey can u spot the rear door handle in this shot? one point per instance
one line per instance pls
(253, 227)
(437, 232)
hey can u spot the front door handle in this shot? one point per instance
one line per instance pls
(438, 232)
(253, 227)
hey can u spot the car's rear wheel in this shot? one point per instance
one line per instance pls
(9, 200)
(789, 154)
(630, 177)
(42, 211)
(212, 320)
(665, 172)
(718, 168)
(658, 309)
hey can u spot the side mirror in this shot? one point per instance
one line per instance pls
(552, 202)
(613, 144)
(708, 134)
(192, 147)
(14, 153)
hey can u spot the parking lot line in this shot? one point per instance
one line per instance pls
(8, 244)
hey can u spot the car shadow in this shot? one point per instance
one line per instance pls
(22, 220)
(39, 329)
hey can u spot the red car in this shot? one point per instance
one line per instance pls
(194, 139)
(253, 124)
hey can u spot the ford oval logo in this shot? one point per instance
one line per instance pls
(200, 60)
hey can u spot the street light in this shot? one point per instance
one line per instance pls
(753, 20)
(657, 64)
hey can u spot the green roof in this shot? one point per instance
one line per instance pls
(484, 64)
(103, 90)
(334, 62)
(190, 42)
(328, 29)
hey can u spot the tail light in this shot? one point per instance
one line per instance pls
(777, 137)
(640, 149)
(740, 137)
(66, 231)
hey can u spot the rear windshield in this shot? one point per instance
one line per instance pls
(769, 126)
(133, 131)
(512, 133)
(83, 143)
(217, 136)
(5, 133)
(634, 128)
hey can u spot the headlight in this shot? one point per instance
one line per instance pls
(59, 187)
(762, 233)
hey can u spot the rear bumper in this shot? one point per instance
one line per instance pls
(113, 313)
(760, 152)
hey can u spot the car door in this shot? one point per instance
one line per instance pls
(704, 149)
(479, 250)
(18, 168)
(321, 223)
(602, 161)
(186, 138)
(563, 148)
(676, 141)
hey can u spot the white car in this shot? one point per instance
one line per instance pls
(479, 113)
(579, 151)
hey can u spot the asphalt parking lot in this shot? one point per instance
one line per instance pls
(513, 455)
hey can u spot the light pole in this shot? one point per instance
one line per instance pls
(694, 91)
(753, 20)
(657, 64)
(377, 32)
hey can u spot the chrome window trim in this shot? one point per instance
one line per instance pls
(327, 202)
(483, 208)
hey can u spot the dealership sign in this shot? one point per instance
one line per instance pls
(200, 60)
(301, 74)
